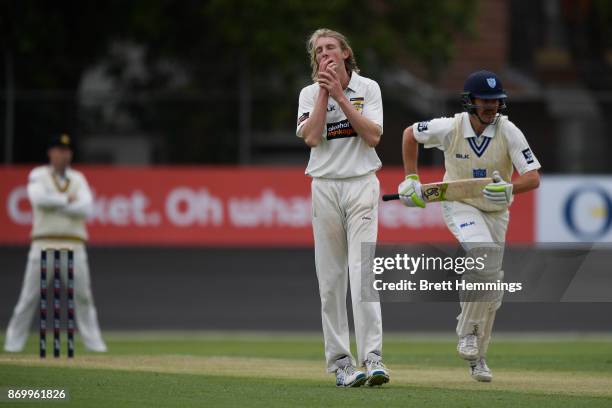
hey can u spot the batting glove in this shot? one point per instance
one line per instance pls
(410, 192)
(499, 191)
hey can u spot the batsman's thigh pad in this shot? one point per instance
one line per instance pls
(466, 223)
(482, 279)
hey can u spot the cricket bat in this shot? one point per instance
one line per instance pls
(449, 190)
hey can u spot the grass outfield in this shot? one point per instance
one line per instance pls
(187, 369)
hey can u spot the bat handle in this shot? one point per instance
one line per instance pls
(389, 197)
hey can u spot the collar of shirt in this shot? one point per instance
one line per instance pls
(468, 131)
(61, 177)
(354, 83)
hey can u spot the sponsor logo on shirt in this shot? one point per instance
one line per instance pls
(462, 156)
(467, 224)
(422, 126)
(339, 130)
(303, 118)
(479, 173)
(357, 103)
(528, 155)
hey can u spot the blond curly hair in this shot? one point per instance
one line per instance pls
(349, 62)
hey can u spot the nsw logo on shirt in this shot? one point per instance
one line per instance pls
(528, 155)
(479, 173)
(422, 126)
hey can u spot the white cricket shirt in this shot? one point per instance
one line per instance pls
(501, 146)
(342, 153)
(54, 217)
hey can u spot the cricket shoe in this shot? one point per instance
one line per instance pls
(347, 375)
(468, 347)
(97, 346)
(480, 371)
(377, 372)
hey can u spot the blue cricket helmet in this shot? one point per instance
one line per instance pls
(482, 85)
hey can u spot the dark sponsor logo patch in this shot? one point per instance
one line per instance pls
(339, 130)
(528, 155)
(479, 173)
(303, 117)
(422, 126)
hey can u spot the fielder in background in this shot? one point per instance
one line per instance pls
(477, 143)
(61, 200)
(340, 117)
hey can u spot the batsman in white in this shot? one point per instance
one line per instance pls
(61, 200)
(340, 118)
(477, 143)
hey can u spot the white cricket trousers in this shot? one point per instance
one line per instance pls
(473, 226)
(29, 299)
(345, 214)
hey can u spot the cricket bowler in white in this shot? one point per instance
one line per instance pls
(340, 117)
(61, 200)
(477, 143)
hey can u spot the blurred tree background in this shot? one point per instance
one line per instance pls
(217, 81)
(203, 80)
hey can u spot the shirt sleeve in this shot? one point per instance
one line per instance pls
(306, 104)
(434, 133)
(40, 197)
(373, 107)
(521, 155)
(83, 205)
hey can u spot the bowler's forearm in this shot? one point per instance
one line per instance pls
(312, 132)
(365, 128)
